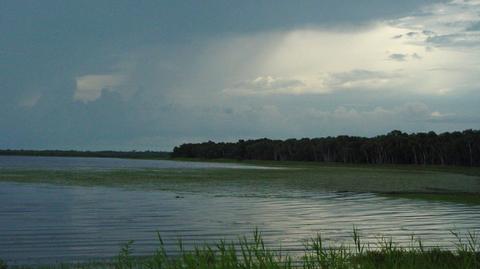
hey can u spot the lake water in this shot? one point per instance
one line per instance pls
(45, 223)
(107, 163)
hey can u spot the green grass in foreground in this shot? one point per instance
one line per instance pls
(451, 184)
(252, 253)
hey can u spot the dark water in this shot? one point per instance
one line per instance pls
(44, 223)
(107, 163)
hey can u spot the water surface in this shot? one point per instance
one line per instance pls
(46, 223)
(39, 162)
(42, 223)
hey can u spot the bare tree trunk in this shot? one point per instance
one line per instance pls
(471, 155)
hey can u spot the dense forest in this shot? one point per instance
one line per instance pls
(450, 148)
(100, 154)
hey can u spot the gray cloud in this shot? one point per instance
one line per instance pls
(266, 85)
(398, 57)
(98, 75)
(428, 32)
(410, 111)
(448, 24)
(471, 39)
(416, 56)
(475, 26)
(361, 79)
(412, 34)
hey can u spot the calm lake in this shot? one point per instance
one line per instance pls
(108, 163)
(45, 223)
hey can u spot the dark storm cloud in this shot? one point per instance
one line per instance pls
(145, 75)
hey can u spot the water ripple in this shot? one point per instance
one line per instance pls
(43, 223)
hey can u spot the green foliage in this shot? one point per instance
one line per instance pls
(252, 253)
(456, 148)
(125, 259)
(3, 265)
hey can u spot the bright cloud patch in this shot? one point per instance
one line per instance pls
(267, 85)
(408, 112)
(361, 79)
(426, 53)
(322, 84)
(450, 24)
(90, 87)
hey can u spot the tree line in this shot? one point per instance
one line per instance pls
(99, 154)
(396, 147)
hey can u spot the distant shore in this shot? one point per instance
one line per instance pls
(97, 154)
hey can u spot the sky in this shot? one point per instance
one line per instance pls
(150, 75)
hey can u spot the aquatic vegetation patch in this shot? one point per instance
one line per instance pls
(454, 184)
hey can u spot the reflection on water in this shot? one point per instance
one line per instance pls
(42, 223)
(107, 163)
